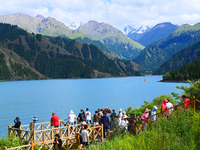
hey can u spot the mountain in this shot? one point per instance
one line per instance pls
(60, 57)
(113, 38)
(154, 55)
(158, 32)
(185, 56)
(39, 24)
(51, 27)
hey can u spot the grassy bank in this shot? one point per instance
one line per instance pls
(10, 142)
(180, 132)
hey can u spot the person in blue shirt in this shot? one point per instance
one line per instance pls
(106, 123)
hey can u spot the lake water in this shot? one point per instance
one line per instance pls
(41, 98)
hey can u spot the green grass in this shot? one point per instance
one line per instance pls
(180, 132)
(10, 142)
(78, 35)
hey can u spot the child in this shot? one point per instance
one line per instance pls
(84, 136)
(57, 142)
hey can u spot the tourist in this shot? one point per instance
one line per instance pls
(54, 120)
(108, 110)
(17, 123)
(164, 108)
(153, 113)
(144, 118)
(96, 118)
(120, 116)
(124, 113)
(57, 142)
(81, 116)
(88, 116)
(114, 125)
(84, 136)
(187, 102)
(113, 115)
(106, 124)
(71, 117)
(108, 114)
(100, 113)
(80, 137)
(124, 123)
(169, 106)
(132, 123)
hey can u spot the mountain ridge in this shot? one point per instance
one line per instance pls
(112, 37)
(62, 58)
(157, 53)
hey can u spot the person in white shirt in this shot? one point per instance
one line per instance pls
(84, 140)
(120, 116)
(88, 116)
(124, 123)
(169, 106)
(71, 117)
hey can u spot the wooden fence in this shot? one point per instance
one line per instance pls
(43, 135)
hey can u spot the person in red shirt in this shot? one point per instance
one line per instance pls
(164, 107)
(187, 102)
(54, 120)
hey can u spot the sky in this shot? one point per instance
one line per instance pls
(118, 13)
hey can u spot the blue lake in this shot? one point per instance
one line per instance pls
(41, 98)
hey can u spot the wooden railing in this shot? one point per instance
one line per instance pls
(41, 139)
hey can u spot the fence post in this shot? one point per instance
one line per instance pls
(9, 131)
(68, 130)
(101, 132)
(32, 146)
(34, 136)
(77, 140)
(52, 133)
(194, 103)
(93, 137)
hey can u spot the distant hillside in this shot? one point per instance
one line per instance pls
(157, 53)
(189, 71)
(158, 32)
(185, 56)
(39, 24)
(113, 38)
(60, 57)
(14, 67)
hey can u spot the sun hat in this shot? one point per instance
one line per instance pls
(125, 116)
(17, 119)
(71, 112)
(147, 110)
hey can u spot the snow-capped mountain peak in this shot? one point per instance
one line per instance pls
(136, 29)
(75, 25)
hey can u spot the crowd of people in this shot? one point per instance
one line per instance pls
(110, 120)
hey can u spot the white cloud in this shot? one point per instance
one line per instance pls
(118, 13)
